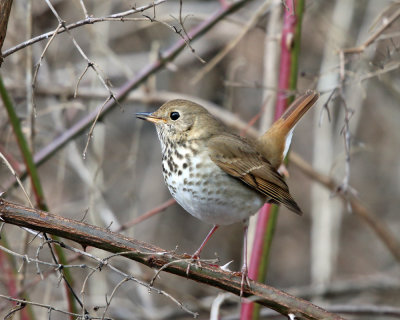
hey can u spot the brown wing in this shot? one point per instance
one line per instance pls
(237, 158)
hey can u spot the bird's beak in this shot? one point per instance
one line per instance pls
(148, 116)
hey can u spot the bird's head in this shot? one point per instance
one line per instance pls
(179, 120)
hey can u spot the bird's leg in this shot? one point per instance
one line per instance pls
(196, 255)
(245, 278)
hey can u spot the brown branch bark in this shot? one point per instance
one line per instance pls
(5, 8)
(154, 257)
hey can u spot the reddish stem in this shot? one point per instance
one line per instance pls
(256, 253)
(289, 24)
(147, 215)
(288, 31)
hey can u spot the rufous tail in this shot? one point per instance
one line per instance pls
(274, 143)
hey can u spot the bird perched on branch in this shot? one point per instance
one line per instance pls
(217, 176)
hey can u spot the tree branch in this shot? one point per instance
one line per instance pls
(154, 257)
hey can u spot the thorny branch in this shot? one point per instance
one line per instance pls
(377, 225)
(334, 184)
(169, 54)
(26, 259)
(105, 263)
(101, 263)
(154, 257)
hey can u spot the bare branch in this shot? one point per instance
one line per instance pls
(375, 35)
(115, 17)
(147, 254)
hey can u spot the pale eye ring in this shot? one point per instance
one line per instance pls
(174, 115)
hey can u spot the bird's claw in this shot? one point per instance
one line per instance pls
(245, 279)
(194, 259)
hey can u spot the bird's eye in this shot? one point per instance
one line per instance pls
(174, 115)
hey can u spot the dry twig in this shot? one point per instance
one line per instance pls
(150, 255)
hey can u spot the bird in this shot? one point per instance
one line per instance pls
(218, 176)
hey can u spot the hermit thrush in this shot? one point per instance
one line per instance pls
(214, 174)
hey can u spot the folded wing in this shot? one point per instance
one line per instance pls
(239, 159)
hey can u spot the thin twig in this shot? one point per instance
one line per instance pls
(9, 166)
(28, 260)
(377, 225)
(80, 78)
(229, 47)
(42, 55)
(105, 262)
(49, 307)
(108, 301)
(90, 20)
(85, 12)
(375, 35)
(141, 252)
(90, 64)
(90, 134)
(147, 214)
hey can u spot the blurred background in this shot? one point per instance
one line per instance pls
(330, 255)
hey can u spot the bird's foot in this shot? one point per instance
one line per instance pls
(195, 259)
(245, 279)
(283, 171)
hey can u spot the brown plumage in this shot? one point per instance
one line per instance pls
(216, 175)
(238, 158)
(272, 143)
(185, 127)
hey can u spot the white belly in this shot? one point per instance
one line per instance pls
(210, 195)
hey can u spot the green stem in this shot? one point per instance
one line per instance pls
(295, 52)
(35, 180)
(269, 235)
(23, 145)
(263, 268)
